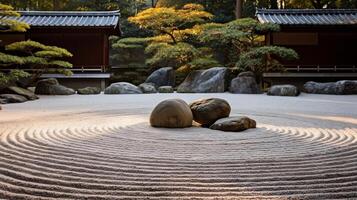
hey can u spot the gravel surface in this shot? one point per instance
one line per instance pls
(102, 147)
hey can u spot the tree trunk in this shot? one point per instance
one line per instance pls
(239, 9)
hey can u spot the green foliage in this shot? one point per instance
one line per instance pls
(39, 57)
(265, 59)
(131, 43)
(203, 63)
(13, 75)
(11, 25)
(233, 38)
(223, 10)
(6, 60)
(175, 55)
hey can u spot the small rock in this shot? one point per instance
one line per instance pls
(52, 87)
(12, 98)
(162, 77)
(234, 124)
(245, 83)
(122, 88)
(283, 90)
(172, 113)
(89, 90)
(205, 81)
(23, 92)
(148, 88)
(166, 89)
(208, 111)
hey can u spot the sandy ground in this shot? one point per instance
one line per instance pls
(102, 147)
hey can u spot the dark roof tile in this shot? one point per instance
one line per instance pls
(69, 18)
(308, 16)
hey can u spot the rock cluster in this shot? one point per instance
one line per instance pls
(212, 113)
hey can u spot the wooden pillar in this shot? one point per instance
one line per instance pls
(105, 62)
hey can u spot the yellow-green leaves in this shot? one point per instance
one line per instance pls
(164, 20)
(11, 25)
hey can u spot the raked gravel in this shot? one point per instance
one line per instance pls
(102, 147)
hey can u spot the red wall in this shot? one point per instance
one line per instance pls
(90, 46)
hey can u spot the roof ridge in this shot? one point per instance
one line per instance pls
(76, 13)
(306, 11)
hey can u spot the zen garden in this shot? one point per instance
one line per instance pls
(178, 99)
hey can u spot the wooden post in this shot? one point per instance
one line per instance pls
(239, 9)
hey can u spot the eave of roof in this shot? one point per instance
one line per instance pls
(308, 17)
(69, 18)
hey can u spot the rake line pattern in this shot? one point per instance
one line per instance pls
(121, 157)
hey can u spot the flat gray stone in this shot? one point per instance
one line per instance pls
(344, 87)
(23, 92)
(89, 91)
(122, 88)
(12, 98)
(234, 124)
(283, 90)
(166, 89)
(148, 88)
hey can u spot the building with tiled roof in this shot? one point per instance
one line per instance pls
(326, 41)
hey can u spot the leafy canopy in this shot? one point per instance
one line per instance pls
(265, 59)
(163, 20)
(10, 25)
(39, 57)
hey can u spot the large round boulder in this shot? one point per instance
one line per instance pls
(205, 81)
(208, 111)
(162, 77)
(52, 87)
(122, 88)
(172, 113)
(283, 90)
(234, 124)
(245, 83)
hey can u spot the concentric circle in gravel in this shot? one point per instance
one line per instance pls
(113, 156)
